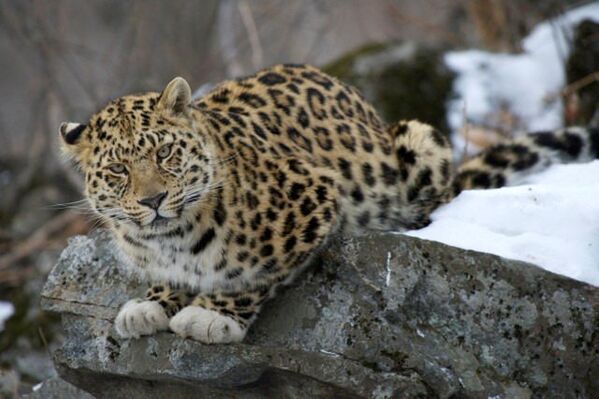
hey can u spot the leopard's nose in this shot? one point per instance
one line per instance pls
(154, 201)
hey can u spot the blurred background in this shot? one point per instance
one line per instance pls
(449, 63)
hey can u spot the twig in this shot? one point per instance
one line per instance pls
(466, 130)
(227, 40)
(250, 27)
(13, 278)
(40, 238)
(43, 338)
(575, 86)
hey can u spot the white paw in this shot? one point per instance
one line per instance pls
(206, 326)
(138, 317)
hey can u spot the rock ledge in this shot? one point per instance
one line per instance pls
(378, 316)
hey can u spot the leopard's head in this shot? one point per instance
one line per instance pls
(147, 158)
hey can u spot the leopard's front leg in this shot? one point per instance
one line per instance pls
(308, 204)
(219, 318)
(147, 316)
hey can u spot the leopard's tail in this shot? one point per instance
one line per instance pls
(427, 180)
(510, 161)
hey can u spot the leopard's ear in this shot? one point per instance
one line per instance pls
(71, 132)
(176, 98)
(73, 142)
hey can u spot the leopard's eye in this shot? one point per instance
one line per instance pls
(164, 151)
(117, 168)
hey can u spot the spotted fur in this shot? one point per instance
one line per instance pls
(508, 162)
(221, 200)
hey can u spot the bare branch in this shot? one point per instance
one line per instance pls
(250, 27)
(67, 222)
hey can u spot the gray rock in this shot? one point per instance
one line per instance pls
(377, 316)
(56, 388)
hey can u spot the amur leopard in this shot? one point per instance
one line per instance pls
(219, 201)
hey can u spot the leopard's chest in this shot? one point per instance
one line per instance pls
(180, 262)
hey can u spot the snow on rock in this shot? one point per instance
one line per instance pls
(551, 221)
(6, 311)
(487, 81)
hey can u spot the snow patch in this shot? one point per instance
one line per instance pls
(7, 309)
(551, 221)
(523, 82)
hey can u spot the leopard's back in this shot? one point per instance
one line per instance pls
(388, 176)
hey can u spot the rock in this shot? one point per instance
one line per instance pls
(9, 384)
(34, 365)
(56, 388)
(378, 316)
(402, 81)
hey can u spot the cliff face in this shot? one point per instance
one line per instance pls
(376, 316)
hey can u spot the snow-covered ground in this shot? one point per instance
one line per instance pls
(553, 219)
(6, 310)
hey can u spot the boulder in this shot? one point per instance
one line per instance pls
(376, 316)
(56, 388)
(402, 80)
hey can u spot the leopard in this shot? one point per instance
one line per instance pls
(219, 201)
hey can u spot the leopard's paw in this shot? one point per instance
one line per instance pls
(206, 326)
(138, 317)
